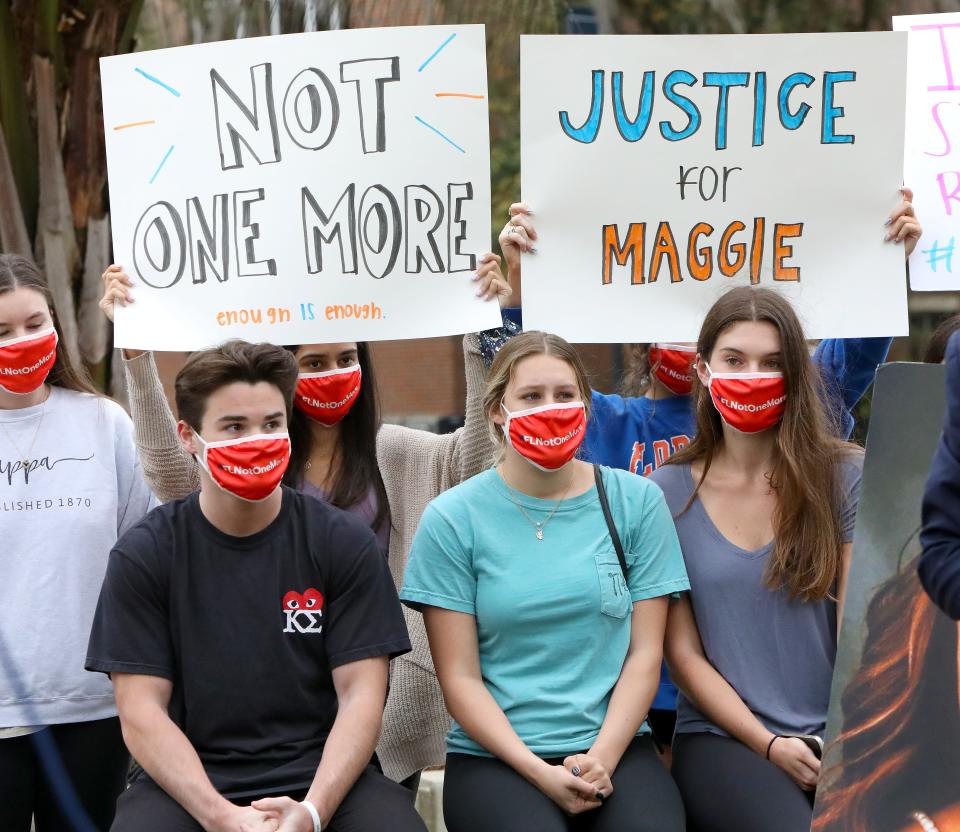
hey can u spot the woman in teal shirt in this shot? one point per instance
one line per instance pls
(547, 653)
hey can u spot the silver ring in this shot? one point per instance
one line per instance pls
(575, 771)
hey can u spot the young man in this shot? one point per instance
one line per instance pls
(247, 630)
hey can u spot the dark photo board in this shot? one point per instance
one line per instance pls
(893, 737)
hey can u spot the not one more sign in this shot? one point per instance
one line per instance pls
(326, 186)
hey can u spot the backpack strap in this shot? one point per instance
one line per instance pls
(611, 526)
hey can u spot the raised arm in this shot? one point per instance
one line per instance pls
(448, 459)
(170, 471)
(719, 702)
(472, 451)
(848, 365)
(165, 753)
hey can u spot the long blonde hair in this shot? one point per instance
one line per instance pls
(806, 556)
(512, 353)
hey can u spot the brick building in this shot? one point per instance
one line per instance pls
(422, 382)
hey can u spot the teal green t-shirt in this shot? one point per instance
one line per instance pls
(553, 615)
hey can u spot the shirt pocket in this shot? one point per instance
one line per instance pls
(614, 594)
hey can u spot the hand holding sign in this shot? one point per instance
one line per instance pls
(903, 225)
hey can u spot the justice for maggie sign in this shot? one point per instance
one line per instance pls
(662, 170)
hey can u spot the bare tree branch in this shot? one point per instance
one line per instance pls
(94, 332)
(54, 216)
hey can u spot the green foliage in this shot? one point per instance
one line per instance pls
(15, 117)
(757, 16)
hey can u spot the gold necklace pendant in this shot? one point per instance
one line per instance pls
(537, 525)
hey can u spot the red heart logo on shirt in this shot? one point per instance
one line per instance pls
(311, 599)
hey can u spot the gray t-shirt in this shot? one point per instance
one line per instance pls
(777, 654)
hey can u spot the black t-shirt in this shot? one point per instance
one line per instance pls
(248, 629)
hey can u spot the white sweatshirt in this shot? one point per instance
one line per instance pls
(59, 518)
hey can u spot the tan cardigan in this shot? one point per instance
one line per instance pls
(416, 466)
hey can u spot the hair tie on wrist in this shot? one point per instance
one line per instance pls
(770, 744)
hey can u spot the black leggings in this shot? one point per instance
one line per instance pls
(662, 722)
(481, 794)
(95, 761)
(374, 804)
(726, 786)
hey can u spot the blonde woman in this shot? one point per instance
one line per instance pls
(547, 640)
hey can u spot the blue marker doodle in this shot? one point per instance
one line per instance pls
(441, 135)
(163, 161)
(938, 253)
(436, 52)
(155, 80)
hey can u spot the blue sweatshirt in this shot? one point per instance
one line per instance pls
(940, 535)
(639, 434)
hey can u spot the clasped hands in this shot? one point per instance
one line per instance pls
(271, 814)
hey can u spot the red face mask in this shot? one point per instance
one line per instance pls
(328, 396)
(673, 366)
(250, 467)
(546, 436)
(748, 402)
(26, 362)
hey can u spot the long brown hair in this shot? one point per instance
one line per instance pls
(357, 470)
(937, 345)
(806, 556)
(512, 353)
(18, 272)
(888, 707)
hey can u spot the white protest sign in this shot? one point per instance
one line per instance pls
(931, 165)
(663, 169)
(321, 187)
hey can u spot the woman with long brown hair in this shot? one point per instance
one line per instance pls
(70, 485)
(764, 499)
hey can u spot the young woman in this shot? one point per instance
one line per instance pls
(547, 650)
(639, 430)
(70, 484)
(764, 500)
(341, 452)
